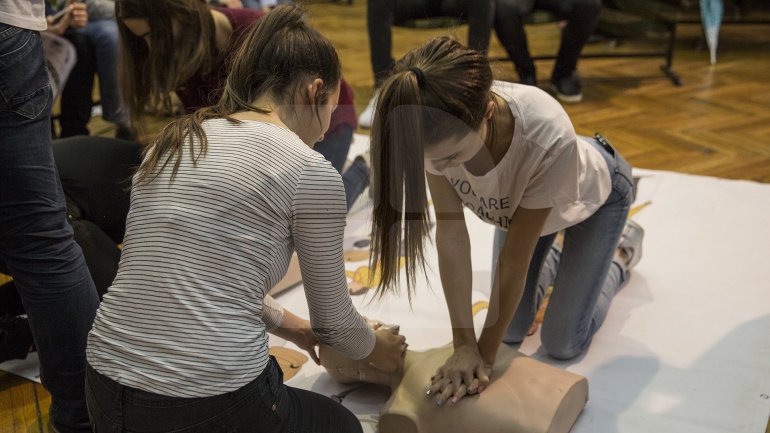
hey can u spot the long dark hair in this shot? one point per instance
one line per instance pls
(436, 92)
(183, 38)
(277, 56)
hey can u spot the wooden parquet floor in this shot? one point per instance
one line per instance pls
(716, 124)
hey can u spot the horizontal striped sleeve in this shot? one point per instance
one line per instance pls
(318, 225)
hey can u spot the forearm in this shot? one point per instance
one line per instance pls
(507, 290)
(291, 327)
(512, 267)
(456, 279)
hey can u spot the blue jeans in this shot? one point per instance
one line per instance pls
(265, 405)
(335, 148)
(584, 275)
(36, 242)
(106, 41)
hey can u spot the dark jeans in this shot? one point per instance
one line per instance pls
(335, 148)
(382, 14)
(264, 405)
(581, 15)
(97, 50)
(75, 99)
(36, 242)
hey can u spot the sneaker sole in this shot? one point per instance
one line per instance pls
(569, 98)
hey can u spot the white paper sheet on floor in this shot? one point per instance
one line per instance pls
(685, 347)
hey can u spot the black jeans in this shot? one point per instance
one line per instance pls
(382, 14)
(264, 405)
(581, 15)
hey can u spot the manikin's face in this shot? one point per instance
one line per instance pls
(453, 151)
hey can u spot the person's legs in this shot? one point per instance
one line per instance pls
(480, 15)
(264, 405)
(98, 185)
(379, 20)
(315, 413)
(335, 148)
(582, 17)
(588, 277)
(510, 16)
(105, 39)
(35, 240)
(76, 100)
(533, 288)
(380, 17)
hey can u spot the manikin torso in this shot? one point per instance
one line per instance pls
(524, 396)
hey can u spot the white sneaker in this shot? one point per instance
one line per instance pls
(366, 118)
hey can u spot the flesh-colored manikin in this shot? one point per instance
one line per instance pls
(524, 395)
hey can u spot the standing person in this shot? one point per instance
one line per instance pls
(221, 199)
(381, 15)
(35, 240)
(184, 46)
(582, 16)
(509, 153)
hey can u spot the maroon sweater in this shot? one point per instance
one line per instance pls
(205, 90)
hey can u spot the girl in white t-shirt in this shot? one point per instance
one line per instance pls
(510, 154)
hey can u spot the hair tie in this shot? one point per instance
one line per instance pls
(419, 74)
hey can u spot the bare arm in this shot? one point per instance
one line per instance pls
(297, 330)
(512, 267)
(464, 371)
(454, 258)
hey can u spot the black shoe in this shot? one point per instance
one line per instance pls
(125, 132)
(568, 89)
(529, 80)
(15, 337)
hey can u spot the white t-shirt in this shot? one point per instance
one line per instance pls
(547, 166)
(27, 14)
(188, 312)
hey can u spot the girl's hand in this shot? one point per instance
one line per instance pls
(463, 373)
(306, 341)
(388, 350)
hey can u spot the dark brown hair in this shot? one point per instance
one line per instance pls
(277, 57)
(436, 92)
(183, 38)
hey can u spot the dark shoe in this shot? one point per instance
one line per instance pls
(568, 89)
(529, 80)
(15, 337)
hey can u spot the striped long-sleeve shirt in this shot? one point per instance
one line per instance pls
(188, 312)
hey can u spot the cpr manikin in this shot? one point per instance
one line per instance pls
(524, 395)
